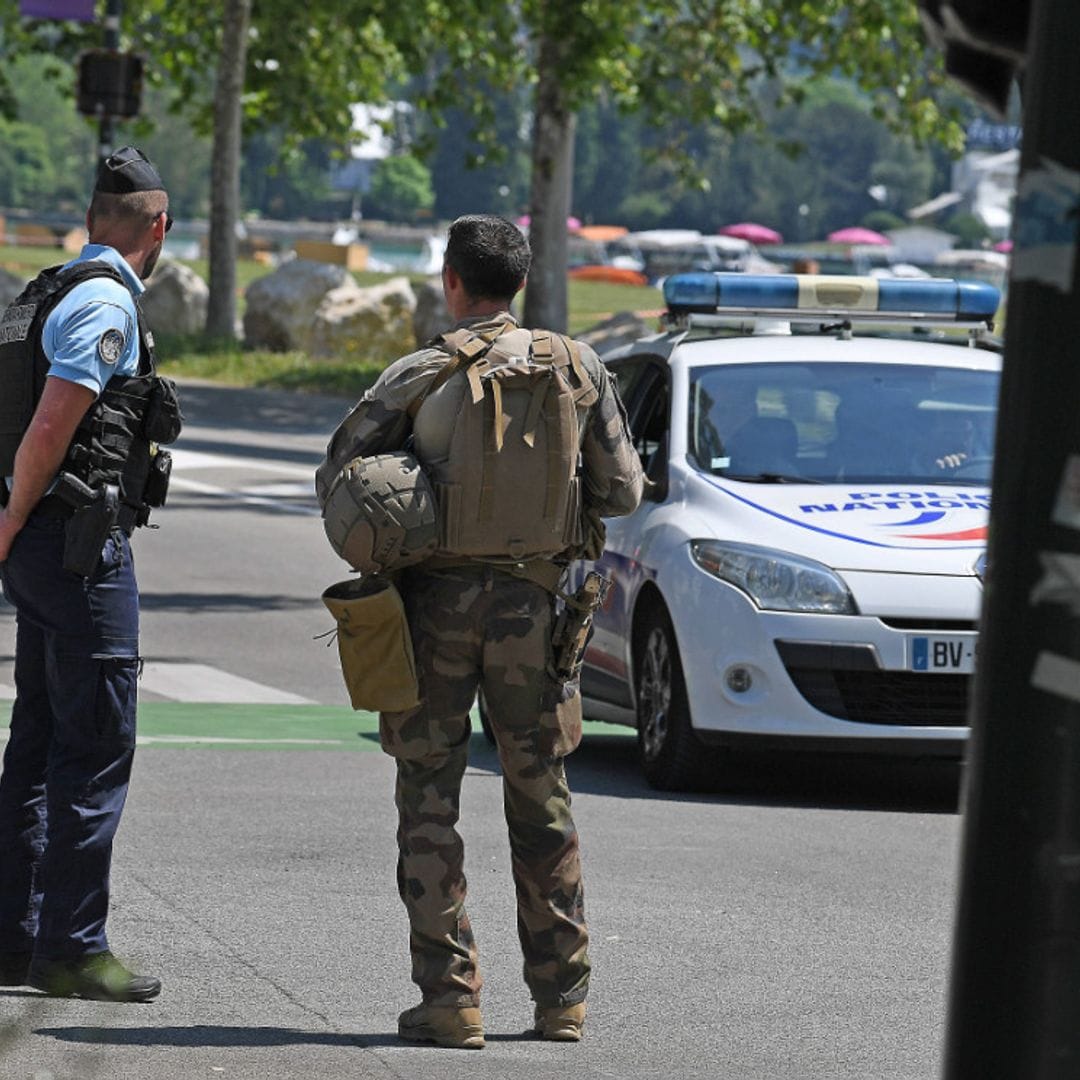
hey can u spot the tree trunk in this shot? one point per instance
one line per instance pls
(225, 169)
(549, 203)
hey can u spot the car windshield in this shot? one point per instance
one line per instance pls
(827, 422)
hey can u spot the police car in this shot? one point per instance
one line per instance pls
(806, 568)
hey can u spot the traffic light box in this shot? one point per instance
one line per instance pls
(110, 83)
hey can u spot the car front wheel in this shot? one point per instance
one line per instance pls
(670, 755)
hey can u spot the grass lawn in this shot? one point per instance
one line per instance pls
(231, 363)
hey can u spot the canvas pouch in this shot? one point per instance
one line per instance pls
(374, 645)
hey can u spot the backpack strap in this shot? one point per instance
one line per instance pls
(465, 347)
(543, 351)
(568, 355)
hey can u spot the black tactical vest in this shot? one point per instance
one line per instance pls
(113, 443)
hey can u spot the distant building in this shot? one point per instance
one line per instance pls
(373, 143)
(983, 180)
(919, 244)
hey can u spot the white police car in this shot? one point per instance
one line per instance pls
(807, 568)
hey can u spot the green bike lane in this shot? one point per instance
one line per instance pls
(182, 725)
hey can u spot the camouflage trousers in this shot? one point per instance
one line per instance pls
(478, 628)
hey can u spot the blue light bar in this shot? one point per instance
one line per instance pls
(714, 292)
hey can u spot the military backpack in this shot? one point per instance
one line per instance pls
(509, 487)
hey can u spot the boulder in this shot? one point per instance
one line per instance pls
(622, 328)
(10, 287)
(280, 307)
(175, 300)
(431, 316)
(375, 323)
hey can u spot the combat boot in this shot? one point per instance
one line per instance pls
(443, 1025)
(560, 1023)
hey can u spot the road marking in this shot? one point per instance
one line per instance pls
(202, 683)
(261, 495)
(175, 740)
(197, 459)
(206, 740)
(7, 693)
(181, 483)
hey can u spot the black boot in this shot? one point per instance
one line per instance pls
(99, 977)
(13, 968)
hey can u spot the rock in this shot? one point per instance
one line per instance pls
(280, 308)
(373, 323)
(175, 300)
(622, 328)
(431, 316)
(10, 287)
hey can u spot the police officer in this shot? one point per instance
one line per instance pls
(484, 624)
(81, 404)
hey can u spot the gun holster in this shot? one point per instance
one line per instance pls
(573, 627)
(96, 512)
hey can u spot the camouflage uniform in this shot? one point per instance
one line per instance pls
(477, 627)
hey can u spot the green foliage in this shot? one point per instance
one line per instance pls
(25, 166)
(307, 64)
(284, 181)
(231, 364)
(882, 221)
(968, 229)
(400, 188)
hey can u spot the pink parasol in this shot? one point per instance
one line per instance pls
(572, 223)
(856, 234)
(1004, 246)
(753, 232)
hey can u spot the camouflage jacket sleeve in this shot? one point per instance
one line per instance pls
(381, 421)
(611, 467)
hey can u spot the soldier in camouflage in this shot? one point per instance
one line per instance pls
(476, 626)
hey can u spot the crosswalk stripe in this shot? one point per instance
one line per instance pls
(202, 683)
(198, 459)
(182, 483)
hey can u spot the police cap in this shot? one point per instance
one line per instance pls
(128, 170)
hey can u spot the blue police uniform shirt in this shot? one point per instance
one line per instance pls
(92, 333)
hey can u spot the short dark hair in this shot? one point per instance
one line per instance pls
(130, 208)
(490, 254)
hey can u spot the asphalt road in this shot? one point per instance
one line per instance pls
(793, 924)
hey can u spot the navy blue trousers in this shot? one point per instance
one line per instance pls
(68, 757)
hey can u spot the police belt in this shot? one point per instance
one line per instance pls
(542, 572)
(54, 507)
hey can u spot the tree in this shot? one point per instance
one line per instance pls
(298, 68)
(724, 61)
(25, 166)
(401, 188)
(225, 168)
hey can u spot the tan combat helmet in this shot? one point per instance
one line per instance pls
(380, 513)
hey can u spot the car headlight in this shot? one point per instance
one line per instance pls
(775, 580)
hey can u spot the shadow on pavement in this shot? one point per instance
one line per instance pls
(607, 765)
(217, 602)
(281, 411)
(217, 1035)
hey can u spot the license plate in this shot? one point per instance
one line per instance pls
(942, 653)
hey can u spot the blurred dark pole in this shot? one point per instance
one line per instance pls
(112, 43)
(1014, 1008)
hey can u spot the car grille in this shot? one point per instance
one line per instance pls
(837, 680)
